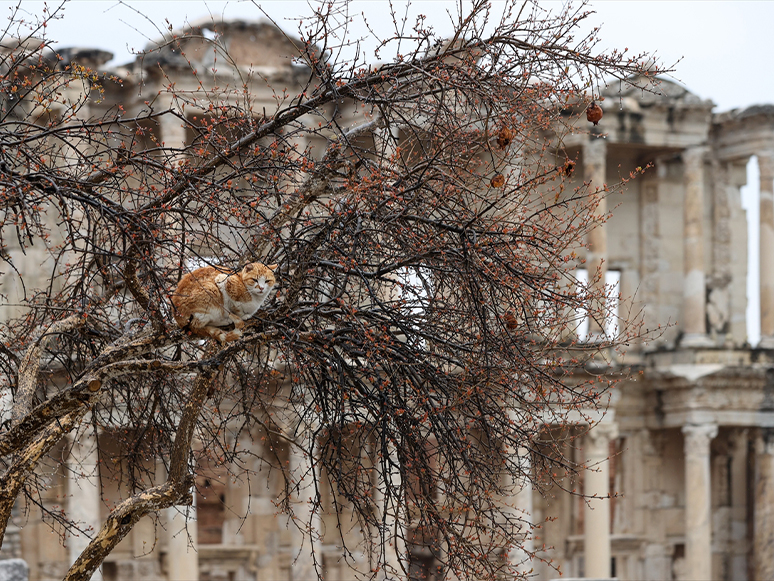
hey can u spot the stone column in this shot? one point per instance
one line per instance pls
(83, 492)
(386, 142)
(389, 554)
(650, 249)
(698, 525)
(594, 168)
(596, 489)
(763, 519)
(305, 527)
(182, 557)
(740, 457)
(519, 557)
(173, 132)
(693, 321)
(766, 165)
(237, 495)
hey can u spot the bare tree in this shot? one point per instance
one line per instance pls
(427, 229)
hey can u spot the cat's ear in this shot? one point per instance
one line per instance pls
(272, 266)
(248, 267)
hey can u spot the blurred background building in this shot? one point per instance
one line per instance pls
(686, 449)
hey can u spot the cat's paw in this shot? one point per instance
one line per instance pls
(220, 278)
(233, 335)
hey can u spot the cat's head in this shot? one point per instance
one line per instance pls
(258, 277)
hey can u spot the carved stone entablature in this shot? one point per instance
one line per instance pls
(724, 396)
(225, 48)
(740, 133)
(671, 117)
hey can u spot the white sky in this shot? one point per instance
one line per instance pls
(722, 50)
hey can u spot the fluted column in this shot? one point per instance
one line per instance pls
(763, 520)
(83, 492)
(766, 166)
(693, 321)
(698, 525)
(596, 489)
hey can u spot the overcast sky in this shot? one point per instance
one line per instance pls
(721, 50)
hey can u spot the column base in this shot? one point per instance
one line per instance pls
(766, 342)
(696, 340)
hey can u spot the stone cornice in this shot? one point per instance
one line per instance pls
(730, 396)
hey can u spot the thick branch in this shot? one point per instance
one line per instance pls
(141, 295)
(176, 490)
(30, 365)
(23, 465)
(123, 518)
(83, 393)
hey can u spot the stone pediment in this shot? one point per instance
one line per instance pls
(667, 93)
(258, 44)
(766, 110)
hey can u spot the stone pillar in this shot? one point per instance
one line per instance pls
(650, 250)
(739, 447)
(594, 168)
(698, 524)
(766, 165)
(693, 321)
(182, 559)
(596, 489)
(182, 543)
(763, 519)
(520, 557)
(306, 556)
(386, 142)
(173, 133)
(83, 492)
(237, 495)
(389, 554)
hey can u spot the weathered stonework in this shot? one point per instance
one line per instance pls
(689, 439)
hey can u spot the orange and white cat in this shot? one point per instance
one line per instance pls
(210, 297)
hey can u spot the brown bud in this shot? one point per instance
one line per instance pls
(504, 138)
(569, 167)
(511, 322)
(594, 113)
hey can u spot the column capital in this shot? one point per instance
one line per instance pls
(594, 149)
(764, 442)
(694, 154)
(766, 166)
(601, 434)
(698, 438)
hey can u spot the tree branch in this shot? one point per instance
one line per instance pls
(176, 490)
(30, 365)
